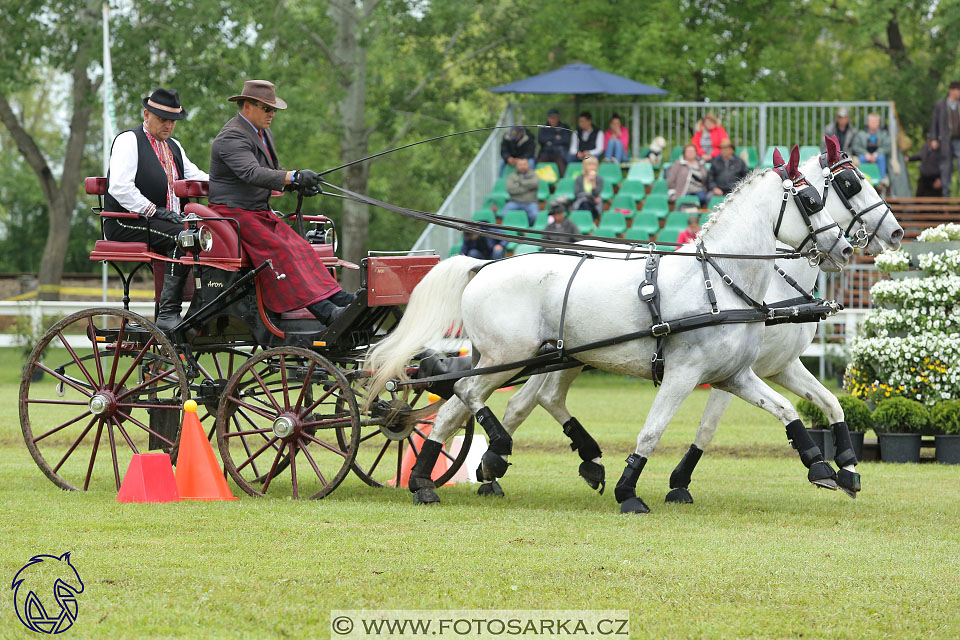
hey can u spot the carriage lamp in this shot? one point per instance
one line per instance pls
(195, 238)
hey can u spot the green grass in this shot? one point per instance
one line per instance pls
(760, 555)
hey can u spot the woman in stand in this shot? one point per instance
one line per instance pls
(587, 188)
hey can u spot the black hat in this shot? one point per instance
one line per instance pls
(553, 112)
(954, 85)
(166, 104)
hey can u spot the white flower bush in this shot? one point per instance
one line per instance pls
(941, 233)
(937, 291)
(945, 263)
(903, 322)
(924, 367)
(892, 261)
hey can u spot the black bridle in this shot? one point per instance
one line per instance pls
(848, 182)
(809, 203)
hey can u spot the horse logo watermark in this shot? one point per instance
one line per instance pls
(39, 576)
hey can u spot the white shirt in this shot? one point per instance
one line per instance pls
(123, 171)
(575, 143)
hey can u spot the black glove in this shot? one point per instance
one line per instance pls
(163, 213)
(305, 179)
(309, 192)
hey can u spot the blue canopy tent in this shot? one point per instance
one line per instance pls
(579, 79)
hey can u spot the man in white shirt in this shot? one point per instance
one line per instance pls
(144, 163)
(587, 141)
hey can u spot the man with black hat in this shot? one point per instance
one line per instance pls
(144, 163)
(945, 133)
(244, 169)
(517, 143)
(554, 141)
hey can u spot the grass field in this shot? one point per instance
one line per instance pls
(761, 554)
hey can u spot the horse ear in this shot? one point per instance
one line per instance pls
(833, 149)
(777, 158)
(793, 165)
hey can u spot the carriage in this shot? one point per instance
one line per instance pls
(282, 394)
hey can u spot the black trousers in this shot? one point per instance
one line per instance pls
(162, 237)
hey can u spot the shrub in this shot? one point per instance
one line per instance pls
(856, 412)
(945, 418)
(900, 415)
(812, 416)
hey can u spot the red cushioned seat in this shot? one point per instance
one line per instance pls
(225, 239)
(297, 314)
(114, 246)
(95, 186)
(191, 188)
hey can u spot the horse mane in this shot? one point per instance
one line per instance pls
(718, 211)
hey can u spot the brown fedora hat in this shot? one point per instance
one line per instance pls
(260, 90)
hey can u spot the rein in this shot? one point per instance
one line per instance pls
(809, 203)
(841, 173)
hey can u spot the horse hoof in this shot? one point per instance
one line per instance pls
(490, 489)
(822, 475)
(679, 496)
(634, 505)
(848, 482)
(426, 496)
(493, 465)
(594, 475)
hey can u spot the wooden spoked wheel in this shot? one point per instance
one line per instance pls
(111, 378)
(287, 403)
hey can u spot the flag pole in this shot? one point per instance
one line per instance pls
(109, 114)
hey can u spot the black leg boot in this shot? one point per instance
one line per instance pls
(820, 473)
(325, 311)
(680, 478)
(342, 298)
(583, 443)
(848, 481)
(626, 490)
(421, 484)
(171, 296)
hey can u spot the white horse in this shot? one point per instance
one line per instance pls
(511, 309)
(778, 360)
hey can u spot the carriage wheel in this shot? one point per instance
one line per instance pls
(289, 403)
(383, 446)
(113, 375)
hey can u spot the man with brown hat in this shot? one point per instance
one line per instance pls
(244, 169)
(144, 163)
(945, 133)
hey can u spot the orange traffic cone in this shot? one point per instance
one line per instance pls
(198, 474)
(409, 459)
(149, 479)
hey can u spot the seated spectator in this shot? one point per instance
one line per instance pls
(562, 230)
(726, 170)
(587, 188)
(655, 151)
(517, 143)
(616, 141)
(688, 177)
(554, 141)
(929, 184)
(588, 141)
(842, 129)
(522, 185)
(481, 247)
(689, 234)
(873, 145)
(706, 140)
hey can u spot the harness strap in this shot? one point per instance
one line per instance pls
(650, 293)
(566, 296)
(707, 282)
(705, 258)
(793, 283)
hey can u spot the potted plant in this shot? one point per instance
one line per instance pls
(896, 264)
(817, 427)
(859, 420)
(944, 237)
(899, 422)
(945, 421)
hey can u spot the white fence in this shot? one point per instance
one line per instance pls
(37, 310)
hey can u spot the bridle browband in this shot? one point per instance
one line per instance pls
(847, 180)
(809, 203)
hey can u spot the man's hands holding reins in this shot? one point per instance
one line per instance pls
(306, 182)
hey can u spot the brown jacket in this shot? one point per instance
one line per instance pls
(242, 172)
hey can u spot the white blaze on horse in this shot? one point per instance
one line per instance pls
(511, 309)
(866, 218)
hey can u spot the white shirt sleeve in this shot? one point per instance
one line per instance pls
(574, 143)
(123, 171)
(190, 170)
(597, 150)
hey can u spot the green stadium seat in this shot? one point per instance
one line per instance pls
(677, 220)
(606, 194)
(641, 231)
(768, 156)
(752, 159)
(564, 189)
(807, 152)
(676, 153)
(624, 201)
(573, 170)
(543, 191)
(507, 170)
(500, 189)
(714, 201)
(556, 169)
(633, 188)
(659, 187)
(687, 200)
(515, 218)
(455, 249)
(656, 205)
(668, 235)
(543, 219)
(871, 171)
(525, 248)
(584, 221)
(641, 172)
(610, 172)
(484, 215)
(494, 201)
(614, 222)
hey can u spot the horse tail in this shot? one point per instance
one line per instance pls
(432, 312)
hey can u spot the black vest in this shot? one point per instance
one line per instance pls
(588, 143)
(151, 179)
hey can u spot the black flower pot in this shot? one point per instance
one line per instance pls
(899, 447)
(948, 449)
(823, 438)
(856, 439)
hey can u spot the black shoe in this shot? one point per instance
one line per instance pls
(342, 298)
(325, 311)
(171, 299)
